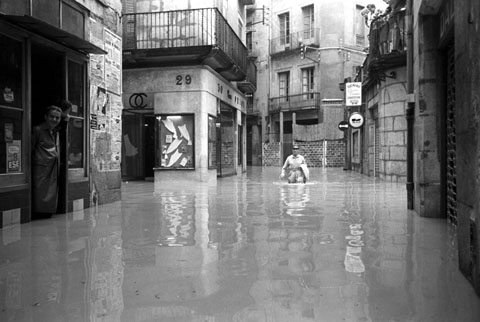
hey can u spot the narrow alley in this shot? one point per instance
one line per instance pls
(342, 247)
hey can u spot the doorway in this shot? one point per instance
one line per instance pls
(47, 86)
(138, 145)
(149, 141)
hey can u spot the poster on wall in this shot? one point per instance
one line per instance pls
(97, 62)
(8, 132)
(115, 116)
(14, 156)
(113, 60)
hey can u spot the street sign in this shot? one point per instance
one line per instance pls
(353, 94)
(356, 120)
(343, 125)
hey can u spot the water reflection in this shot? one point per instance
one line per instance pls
(177, 220)
(343, 248)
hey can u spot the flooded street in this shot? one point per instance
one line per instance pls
(342, 247)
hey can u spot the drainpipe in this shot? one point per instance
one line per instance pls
(411, 104)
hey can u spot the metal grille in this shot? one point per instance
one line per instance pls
(451, 140)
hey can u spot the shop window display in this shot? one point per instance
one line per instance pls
(175, 146)
(11, 106)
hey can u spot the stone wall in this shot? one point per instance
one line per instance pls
(105, 100)
(393, 129)
(466, 110)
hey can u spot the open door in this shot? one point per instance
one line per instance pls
(48, 85)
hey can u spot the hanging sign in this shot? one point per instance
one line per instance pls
(353, 94)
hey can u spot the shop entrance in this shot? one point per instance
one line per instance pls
(47, 86)
(138, 145)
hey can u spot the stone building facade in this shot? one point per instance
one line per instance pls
(421, 110)
(51, 50)
(297, 85)
(186, 77)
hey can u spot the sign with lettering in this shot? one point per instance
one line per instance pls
(14, 156)
(353, 94)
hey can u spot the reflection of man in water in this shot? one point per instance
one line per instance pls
(295, 199)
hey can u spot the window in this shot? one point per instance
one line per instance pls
(284, 20)
(356, 146)
(76, 128)
(11, 107)
(175, 142)
(283, 81)
(308, 85)
(308, 25)
(212, 142)
(249, 41)
(240, 28)
(359, 27)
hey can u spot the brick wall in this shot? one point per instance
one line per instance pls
(312, 151)
(271, 154)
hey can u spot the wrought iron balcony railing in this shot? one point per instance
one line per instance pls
(183, 29)
(304, 101)
(294, 40)
(387, 36)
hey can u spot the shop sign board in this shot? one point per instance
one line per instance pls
(353, 94)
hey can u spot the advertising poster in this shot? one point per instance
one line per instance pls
(113, 61)
(97, 62)
(8, 129)
(14, 156)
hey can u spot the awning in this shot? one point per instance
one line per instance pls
(53, 33)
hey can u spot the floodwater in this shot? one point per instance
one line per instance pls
(342, 247)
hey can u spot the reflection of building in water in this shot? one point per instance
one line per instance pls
(227, 221)
(300, 259)
(175, 264)
(177, 223)
(106, 280)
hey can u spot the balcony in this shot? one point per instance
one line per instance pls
(184, 37)
(388, 44)
(251, 111)
(291, 103)
(249, 85)
(310, 37)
